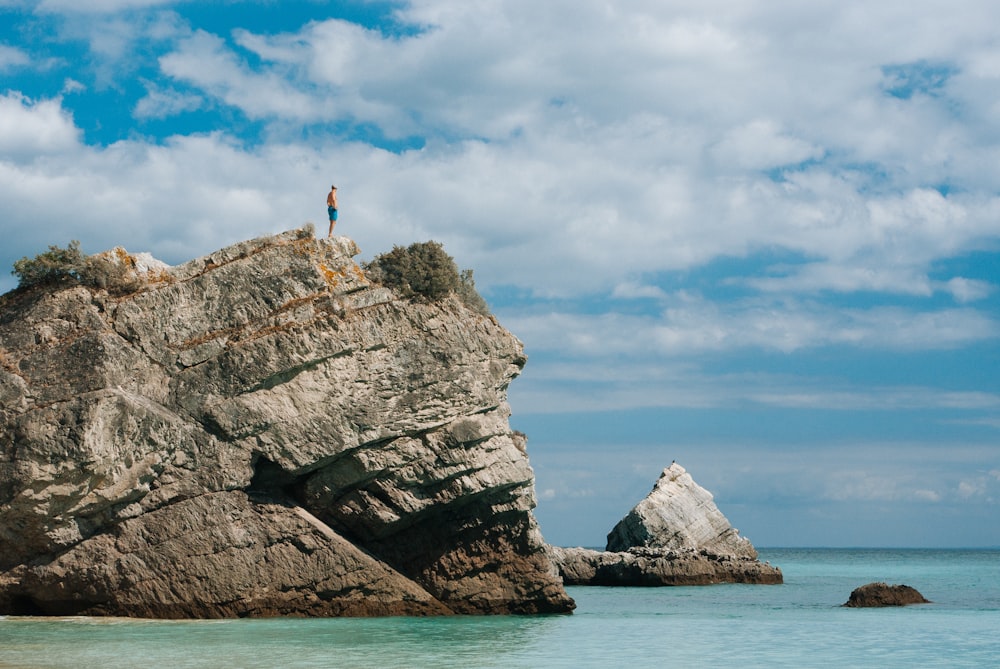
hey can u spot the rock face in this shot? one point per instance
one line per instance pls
(262, 431)
(675, 536)
(679, 514)
(875, 595)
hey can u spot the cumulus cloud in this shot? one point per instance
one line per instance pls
(30, 128)
(203, 60)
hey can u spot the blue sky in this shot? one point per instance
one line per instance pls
(760, 237)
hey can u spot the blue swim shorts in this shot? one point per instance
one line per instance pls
(332, 212)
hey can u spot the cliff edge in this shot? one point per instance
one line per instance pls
(261, 431)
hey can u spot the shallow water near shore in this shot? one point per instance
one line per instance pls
(798, 624)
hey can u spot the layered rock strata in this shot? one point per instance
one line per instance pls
(675, 536)
(262, 431)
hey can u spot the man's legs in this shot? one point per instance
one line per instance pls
(333, 220)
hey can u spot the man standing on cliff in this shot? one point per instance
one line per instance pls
(331, 208)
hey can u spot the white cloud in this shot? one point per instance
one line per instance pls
(785, 326)
(846, 277)
(71, 86)
(873, 398)
(613, 384)
(160, 104)
(29, 128)
(878, 487)
(761, 145)
(968, 489)
(12, 57)
(968, 290)
(202, 60)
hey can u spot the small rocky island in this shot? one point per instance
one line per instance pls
(675, 536)
(261, 431)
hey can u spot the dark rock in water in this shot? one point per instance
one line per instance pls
(261, 431)
(882, 594)
(675, 536)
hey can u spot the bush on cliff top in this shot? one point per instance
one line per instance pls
(424, 271)
(70, 265)
(53, 266)
(420, 271)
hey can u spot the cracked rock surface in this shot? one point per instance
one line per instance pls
(262, 431)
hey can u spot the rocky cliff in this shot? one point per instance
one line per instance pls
(261, 431)
(675, 536)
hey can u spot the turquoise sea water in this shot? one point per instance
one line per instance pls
(798, 624)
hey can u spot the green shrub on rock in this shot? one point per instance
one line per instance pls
(70, 265)
(56, 265)
(110, 271)
(424, 271)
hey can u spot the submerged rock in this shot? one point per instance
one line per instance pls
(675, 536)
(874, 595)
(261, 431)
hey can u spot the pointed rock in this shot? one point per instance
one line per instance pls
(679, 514)
(675, 536)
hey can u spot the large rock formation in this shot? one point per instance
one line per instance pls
(261, 431)
(675, 536)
